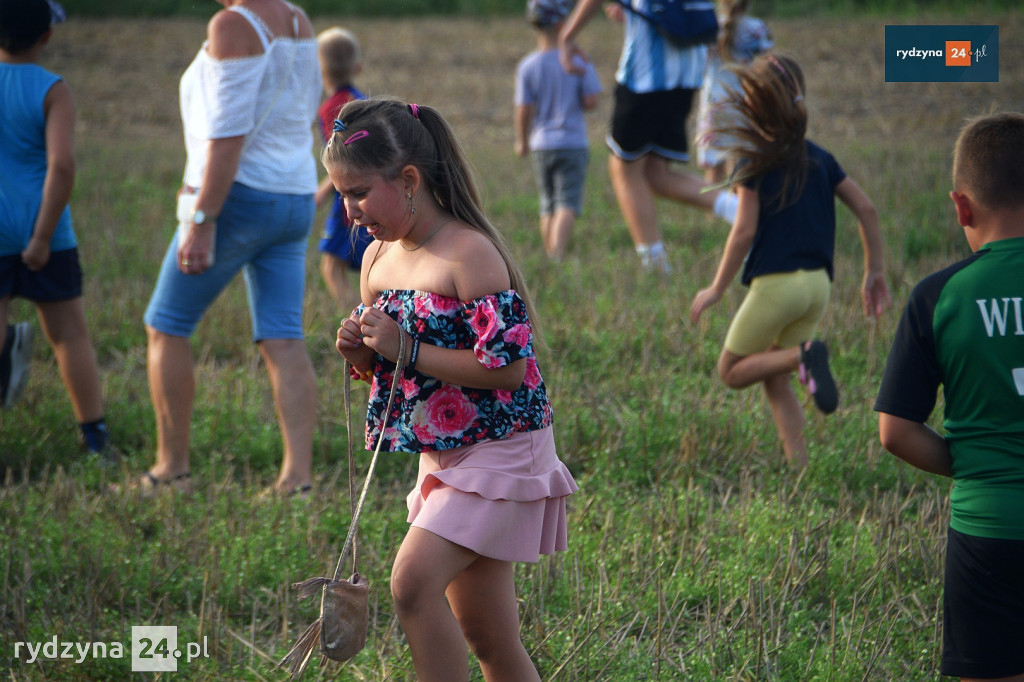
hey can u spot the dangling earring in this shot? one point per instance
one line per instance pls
(412, 209)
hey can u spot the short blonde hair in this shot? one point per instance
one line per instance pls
(339, 55)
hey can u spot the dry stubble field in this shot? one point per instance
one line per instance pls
(894, 138)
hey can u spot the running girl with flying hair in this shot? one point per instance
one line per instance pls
(783, 240)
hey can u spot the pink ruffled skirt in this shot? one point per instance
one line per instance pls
(503, 499)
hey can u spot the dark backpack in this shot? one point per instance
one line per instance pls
(684, 23)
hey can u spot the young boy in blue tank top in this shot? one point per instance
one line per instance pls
(963, 329)
(38, 249)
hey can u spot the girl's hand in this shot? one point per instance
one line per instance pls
(874, 294)
(381, 333)
(349, 336)
(350, 345)
(704, 299)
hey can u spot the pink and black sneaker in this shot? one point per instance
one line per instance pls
(816, 375)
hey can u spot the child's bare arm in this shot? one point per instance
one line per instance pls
(324, 192)
(568, 50)
(524, 117)
(915, 443)
(874, 291)
(737, 245)
(59, 107)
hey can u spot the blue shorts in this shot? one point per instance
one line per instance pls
(260, 233)
(340, 239)
(561, 174)
(59, 280)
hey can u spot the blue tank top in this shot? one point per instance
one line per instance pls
(23, 88)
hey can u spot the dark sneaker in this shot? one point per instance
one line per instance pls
(15, 361)
(816, 375)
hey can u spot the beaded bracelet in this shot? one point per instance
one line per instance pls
(360, 376)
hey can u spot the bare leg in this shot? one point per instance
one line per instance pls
(789, 418)
(294, 387)
(559, 232)
(739, 371)
(545, 231)
(773, 367)
(483, 599)
(677, 185)
(715, 174)
(64, 325)
(424, 567)
(635, 198)
(172, 389)
(1011, 678)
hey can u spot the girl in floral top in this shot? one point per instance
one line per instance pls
(491, 490)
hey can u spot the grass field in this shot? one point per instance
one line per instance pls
(695, 554)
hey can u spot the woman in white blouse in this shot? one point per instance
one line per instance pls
(248, 102)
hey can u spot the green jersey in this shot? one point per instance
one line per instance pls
(963, 329)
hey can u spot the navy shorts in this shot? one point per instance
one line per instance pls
(650, 123)
(59, 280)
(561, 174)
(983, 607)
(340, 239)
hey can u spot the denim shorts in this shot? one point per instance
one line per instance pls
(265, 236)
(561, 174)
(59, 280)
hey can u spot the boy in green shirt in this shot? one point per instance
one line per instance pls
(963, 329)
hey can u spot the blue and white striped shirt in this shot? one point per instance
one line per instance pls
(649, 63)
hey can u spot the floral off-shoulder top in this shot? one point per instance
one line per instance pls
(429, 414)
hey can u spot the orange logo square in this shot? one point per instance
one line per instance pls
(958, 53)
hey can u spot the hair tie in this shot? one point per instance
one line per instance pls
(339, 125)
(415, 109)
(358, 135)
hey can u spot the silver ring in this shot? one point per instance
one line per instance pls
(186, 262)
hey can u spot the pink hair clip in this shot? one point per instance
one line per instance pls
(797, 97)
(784, 71)
(358, 135)
(415, 109)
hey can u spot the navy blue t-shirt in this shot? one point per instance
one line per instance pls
(802, 235)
